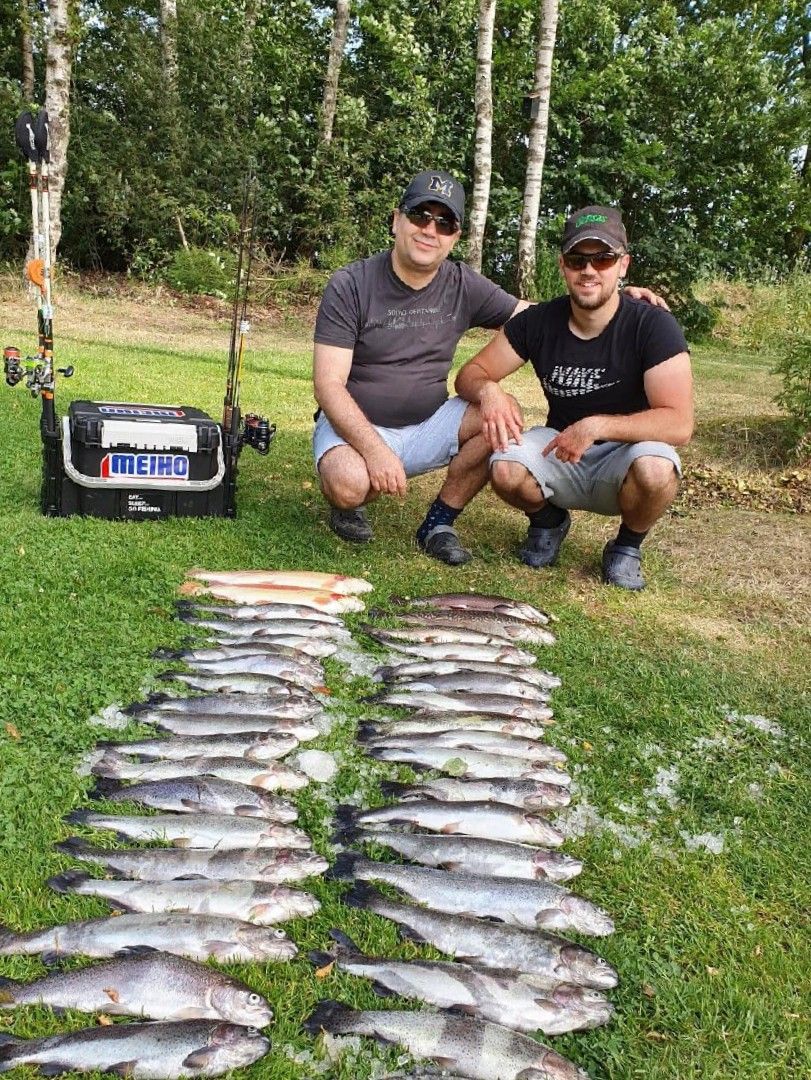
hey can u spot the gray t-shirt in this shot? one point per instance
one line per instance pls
(403, 339)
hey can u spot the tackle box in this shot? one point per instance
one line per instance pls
(135, 461)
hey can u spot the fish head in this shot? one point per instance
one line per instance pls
(588, 917)
(242, 1006)
(236, 1046)
(552, 1066)
(586, 968)
(590, 1005)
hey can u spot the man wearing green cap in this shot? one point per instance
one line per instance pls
(616, 376)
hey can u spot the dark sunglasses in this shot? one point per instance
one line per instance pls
(600, 260)
(446, 225)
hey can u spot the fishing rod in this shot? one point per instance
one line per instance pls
(33, 139)
(252, 430)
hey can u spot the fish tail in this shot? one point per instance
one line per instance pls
(167, 654)
(345, 816)
(345, 946)
(105, 788)
(9, 1046)
(361, 896)
(68, 881)
(167, 676)
(399, 601)
(74, 845)
(7, 988)
(393, 787)
(367, 731)
(331, 1016)
(385, 673)
(77, 817)
(343, 869)
(318, 959)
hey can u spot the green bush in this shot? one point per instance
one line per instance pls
(794, 368)
(200, 271)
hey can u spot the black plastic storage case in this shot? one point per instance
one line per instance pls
(125, 460)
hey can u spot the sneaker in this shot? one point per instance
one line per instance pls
(444, 544)
(622, 566)
(351, 525)
(542, 546)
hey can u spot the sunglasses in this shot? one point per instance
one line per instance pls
(600, 260)
(446, 225)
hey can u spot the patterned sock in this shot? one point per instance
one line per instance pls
(439, 514)
(548, 517)
(628, 538)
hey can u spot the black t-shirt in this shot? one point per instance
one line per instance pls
(602, 375)
(403, 339)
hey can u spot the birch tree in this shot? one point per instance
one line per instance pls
(167, 20)
(58, 64)
(483, 158)
(536, 151)
(336, 54)
(27, 51)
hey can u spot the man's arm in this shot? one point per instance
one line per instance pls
(635, 292)
(477, 381)
(669, 389)
(331, 367)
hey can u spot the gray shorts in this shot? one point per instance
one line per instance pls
(421, 447)
(594, 482)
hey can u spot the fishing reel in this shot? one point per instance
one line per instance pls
(12, 365)
(258, 433)
(36, 370)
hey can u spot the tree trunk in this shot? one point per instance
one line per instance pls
(483, 159)
(167, 21)
(537, 148)
(336, 54)
(58, 62)
(27, 50)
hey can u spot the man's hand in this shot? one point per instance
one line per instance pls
(502, 419)
(572, 443)
(637, 292)
(386, 473)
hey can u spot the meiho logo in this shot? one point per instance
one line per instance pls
(148, 466)
(591, 219)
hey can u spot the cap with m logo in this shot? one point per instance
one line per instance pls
(435, 185)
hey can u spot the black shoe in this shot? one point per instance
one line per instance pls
(542, 546)
(351, 525)
(443, 543)
(622, 566)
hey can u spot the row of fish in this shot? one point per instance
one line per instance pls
(215, 774)
(484, 879)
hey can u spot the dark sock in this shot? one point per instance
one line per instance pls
(439, 514)
(628, 538)
(548, 517)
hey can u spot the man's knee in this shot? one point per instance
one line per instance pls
(654, 476)
(509, 477)
(343, 477)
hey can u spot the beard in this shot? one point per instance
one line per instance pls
(593, 300)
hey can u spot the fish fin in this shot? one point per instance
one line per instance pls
(76, 817)
(121, 1068)
(198, 1059)
(379, 989)
(245, 810)
(67, 881)
(54, 1068)
(367, 731)
(461, 1010)
(319, 960)
(344, 942)
(136, 950)
(345, 815)
(52, 958)
(190, 877)
(330, 1016)
(74, 845)
(343, 869)
(393, 787)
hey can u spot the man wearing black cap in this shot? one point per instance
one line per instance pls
(385, 336)
(616, 376)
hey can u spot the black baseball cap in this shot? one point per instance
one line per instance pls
(602, 223)
(437, 186)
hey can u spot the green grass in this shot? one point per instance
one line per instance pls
(713, 950)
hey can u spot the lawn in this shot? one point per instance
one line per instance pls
(684, 710)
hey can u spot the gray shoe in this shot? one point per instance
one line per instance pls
(542, 546)
(444, 544)
(351, 525)
(622, 566)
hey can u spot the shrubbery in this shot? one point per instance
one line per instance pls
(199, 271)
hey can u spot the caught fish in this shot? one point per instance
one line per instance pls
(527, 794)
(505, 626)
(238, 648)
(155, 986)
(468, 682)
(278, 667)
(514, 901)
(306, 646)
(219, 724)
(489, 742)
(500, 605)
(288, 579)
(423, 723)
(458, 761)
(516, 1000)
(250, 901)
(255, 745)
(493, 821)
(476, 1048)
(199, 795)
(233, 683)
(270, 633)
(144, 1051)
(432, 635)
(269, 775)
(491, 944)
(321, 599)
(473, 855)
(416, 669)
(458, 701)
(222, 831)
(262, 612)
(198, 937)
(462, 652)
(271, 865)
(292, 703)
